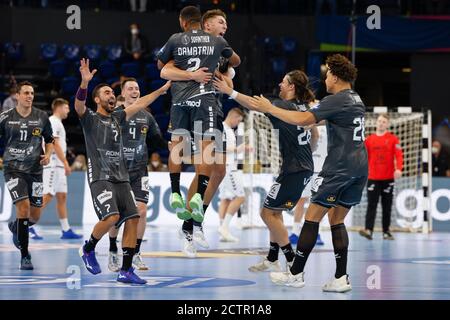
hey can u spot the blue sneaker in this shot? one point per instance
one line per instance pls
(319, 241)
(34, 235)
(69, 234)
(130, 277)
(293, 238)
(12, 225)
(89, 260)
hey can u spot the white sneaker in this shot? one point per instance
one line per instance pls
(265, 265)
(113, 262)
(226, 235)
(138, 263)
(288, 279)
(199, 238)
(338, 285)
(188, 246)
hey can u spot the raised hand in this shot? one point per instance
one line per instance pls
(86, 74)
(221, 85)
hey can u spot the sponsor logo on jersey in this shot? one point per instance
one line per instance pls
(132, 123)
(144, 130)
(37, 132)
(185, 40)
(16, 151)
(316, 184)
(195, 104)
(12, 183)
(112, 153)
(104, 196)
(13, 122)
(331, 198)
(306, 181)
(30, 150)
(128, 150)
(37, 189)
(145, 185)
(200, 39)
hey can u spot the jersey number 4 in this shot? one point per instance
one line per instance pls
(358, 132)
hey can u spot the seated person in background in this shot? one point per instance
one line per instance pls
(155, 164)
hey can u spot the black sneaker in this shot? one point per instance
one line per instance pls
(366, 234)
(25, 263)
(12, 225)
(387, 236)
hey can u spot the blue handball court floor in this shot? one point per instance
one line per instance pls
(413, 266)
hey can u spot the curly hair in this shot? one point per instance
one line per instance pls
(342, 68)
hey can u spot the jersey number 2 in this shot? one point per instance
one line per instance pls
(196, 62)
(358, 132)
(304, 137)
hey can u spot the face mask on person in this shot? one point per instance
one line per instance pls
(155, 163)
(134, 31)
(435, 150)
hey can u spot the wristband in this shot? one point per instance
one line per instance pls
(234, 94)
(82, 94)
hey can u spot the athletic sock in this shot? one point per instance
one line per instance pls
(205, 207)
(188, 226)
(288, 252)
(22, 235)
(202, 184)
(305, 244)
(175, 182)
(127, 261)
(340, 245)
(227, 220)
(90, 245)
(273, 252)
(113, 244)
(64, 224)
(138, 246)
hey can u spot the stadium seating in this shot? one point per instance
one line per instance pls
(49, 52)
(71, 52)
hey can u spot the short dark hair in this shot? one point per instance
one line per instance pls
(23, 83)
(97, 88)
(211, 14)
(59, 102)
(122, 85)
(191, 14)
(342, 68)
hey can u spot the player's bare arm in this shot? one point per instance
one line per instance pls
(171, 72)
(60, 155)
(147, 100)
(222, 85)
(234, 60)
(86, 76)
(45, 158)
(297, 118)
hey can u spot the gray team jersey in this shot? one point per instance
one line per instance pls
(23, 140)
(190, 51)
(295, 147)
(344, 112)
(104, 147)
(135, 132)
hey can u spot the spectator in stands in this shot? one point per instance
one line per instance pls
(155, 164)
(79, 164)
(142, 5)
(440, 161)
(11, 101)
(135, 43)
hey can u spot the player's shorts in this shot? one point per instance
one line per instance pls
(25, 186)
(55, 180)
(197, 115)
(139, 182)
(287, 190)
(307, 190)
(333, 190)
(113, 198)
(232, 185)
